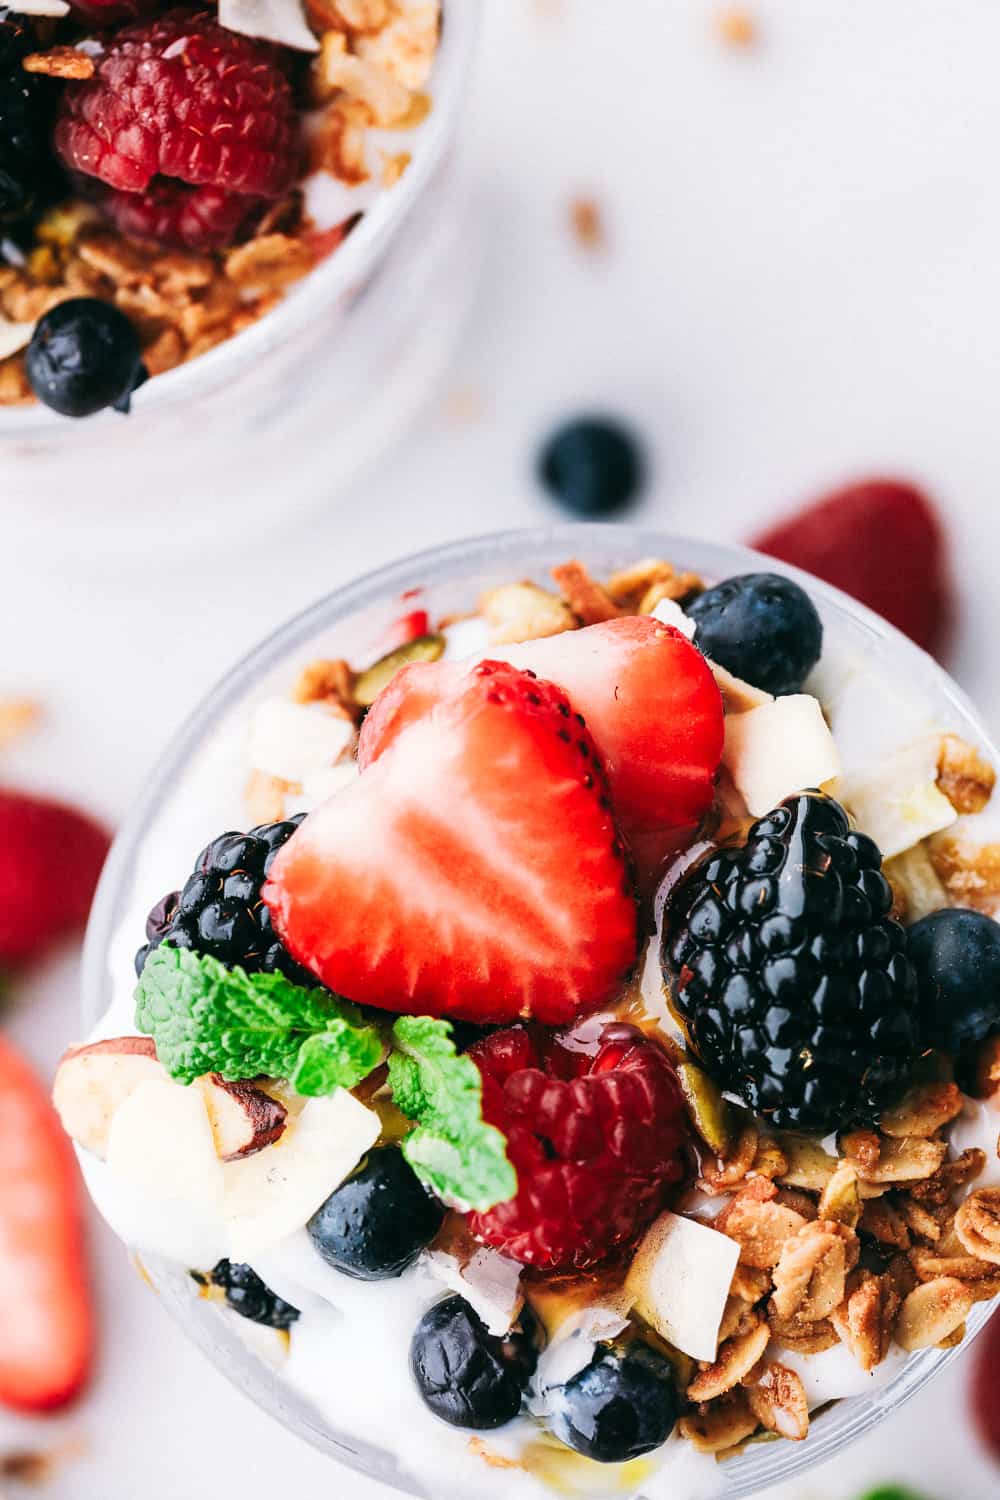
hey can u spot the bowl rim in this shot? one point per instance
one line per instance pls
(343, 272)
(752, 1470)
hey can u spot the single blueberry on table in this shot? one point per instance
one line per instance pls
(84, 355)
(956, 955)
(377, 1222)
(591, 465)
(622, 1404)
(761, 627)
(468, 1376)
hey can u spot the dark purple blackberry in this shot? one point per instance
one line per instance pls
(220, 912)
(791, 978)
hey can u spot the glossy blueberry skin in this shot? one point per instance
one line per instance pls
(84, 355)
(468, 1376)
(621, 1405)
(377, 1222)
(247, 1295)
(591, 466)
(761, 627)
(956, 955)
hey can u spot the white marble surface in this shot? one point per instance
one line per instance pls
(799, 287)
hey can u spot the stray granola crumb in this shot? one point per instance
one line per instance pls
(17, 716)
(60, 62)
(736, 26)
(394, 166)
(587, 223)
(265, 796)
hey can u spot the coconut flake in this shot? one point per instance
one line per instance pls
(42, 8)
(669, 612)
(489, 1282)
(14, 336)
(281, 21)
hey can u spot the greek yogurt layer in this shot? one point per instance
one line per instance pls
(586, 1065)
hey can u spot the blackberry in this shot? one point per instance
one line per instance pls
(220, 912)
(792, 980)
(247, 1295)
(27, 106)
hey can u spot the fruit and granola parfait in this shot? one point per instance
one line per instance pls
(168, 171)
(588, 1063)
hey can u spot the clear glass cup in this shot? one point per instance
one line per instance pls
(168, 824)
(287, 411)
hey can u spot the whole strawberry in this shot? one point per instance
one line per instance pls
(50, 859)
(177, 105)
(881, 542)
(596, 1134)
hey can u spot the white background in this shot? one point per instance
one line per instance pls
(799, 287)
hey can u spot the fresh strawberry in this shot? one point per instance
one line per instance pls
(50, 858)
(646, 693)
(45, 1310)
(473, 871)
(986, 1388)
(596, 1134)
(881, 542)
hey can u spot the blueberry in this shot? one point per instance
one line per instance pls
(247, 1295)
(619, 1406)
(592, 465)
(468, 1376)
(84, 355)
(956, 955)
(760, 627)
(377, 1222)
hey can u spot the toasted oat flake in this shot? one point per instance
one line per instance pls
(591, 603)
(336, 69)
(761, 1225)
(931, 1312)
(778, 1401)
(964, 776)
(907, 1160)
(977, 1224)
(737, 1358)
(269, 262)
(865, 1319)
(811, 1273)
(60, 62)
(922, 1111)
(721, 1425)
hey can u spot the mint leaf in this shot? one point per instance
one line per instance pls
(206, 1018)
(452, 1150)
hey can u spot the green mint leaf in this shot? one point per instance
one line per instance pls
(452, 1150)
(206, 1018)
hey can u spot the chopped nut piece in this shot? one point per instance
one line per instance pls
(732, 1167)
(584, 595)
(965, 778)
(60, 62)
(969, 872)
(778, 1401)
(977, 1224)
(923, 1110)
(720, 1426)
(931, 1312)
(865, 1319)
(840, 1199)
(811, 1273)
(524, 612)
(987, 1072)
(760, 1225)
(862, 1147)
(737, 1358)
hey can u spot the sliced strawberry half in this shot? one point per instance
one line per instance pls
(45, 1310)
(881, 542)
(648, 697)
(474, 870)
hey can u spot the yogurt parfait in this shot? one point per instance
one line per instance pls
(572, 1062)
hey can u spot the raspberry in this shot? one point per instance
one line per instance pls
(180, 97)
(596, 1136)
(173, 214)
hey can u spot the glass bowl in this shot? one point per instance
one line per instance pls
(167, 825)
(294, 405)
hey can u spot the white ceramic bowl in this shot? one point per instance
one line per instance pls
(168, 824)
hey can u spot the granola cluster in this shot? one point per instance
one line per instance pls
(370, 73)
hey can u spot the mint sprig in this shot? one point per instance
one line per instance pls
(452, 1150)
(205, 1018)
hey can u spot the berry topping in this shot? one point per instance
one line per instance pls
(956, 955)
(50, 858)
(27, 102)
(247, 1295)
(622, 1404)
(791, 978)
(473, 871)
(592, 466)
(378, 1221)
(647, 695)
(468, 1376)
(596, 1135)
(220, 911)
(180, 97)
(986, 1387)
(762, 628)
(45, 1311)
(881, 542)
(84, 355)
(173, 214)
